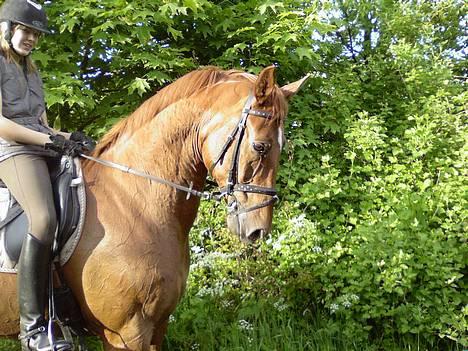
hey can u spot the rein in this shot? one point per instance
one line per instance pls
(232, 183)
(205, 195)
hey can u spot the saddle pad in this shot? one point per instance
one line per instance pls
(9, 266)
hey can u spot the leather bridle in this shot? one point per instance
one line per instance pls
(232, 184)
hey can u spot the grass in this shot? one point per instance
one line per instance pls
(205, 324)
(210, 325)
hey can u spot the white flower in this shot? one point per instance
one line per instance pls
(216, 290)
(210, 259)
(278, 243)
(354, 297)
(197, 249)
(245, 325)
(451, 280)
(334, 307)
(346, 304)
(280, 305)
(226, 303)
(317, 249)
(171, 319)
(299, 221)
(326, 158)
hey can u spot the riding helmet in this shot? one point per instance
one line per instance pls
(26, 12)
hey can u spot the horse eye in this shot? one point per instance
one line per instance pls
(261, 147)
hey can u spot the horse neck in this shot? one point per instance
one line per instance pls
(167, 147)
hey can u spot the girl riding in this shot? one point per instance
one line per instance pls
(27, 144)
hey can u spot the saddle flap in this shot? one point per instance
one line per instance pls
(15, 223)
(64, 183)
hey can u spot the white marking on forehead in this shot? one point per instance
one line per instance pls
(280, 138)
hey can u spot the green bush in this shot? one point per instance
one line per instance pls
(379, 285)
(372, 224)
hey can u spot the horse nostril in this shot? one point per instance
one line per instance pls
(256, 234)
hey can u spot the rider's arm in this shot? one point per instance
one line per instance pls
(12, 131)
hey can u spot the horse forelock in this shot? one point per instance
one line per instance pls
(184, 87)
(279, 106)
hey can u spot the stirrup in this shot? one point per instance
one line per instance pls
(58, 345)
(31, 333)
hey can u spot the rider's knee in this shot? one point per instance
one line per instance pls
(43, 225)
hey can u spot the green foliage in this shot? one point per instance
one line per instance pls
(316, 291)
(378, 163)
(208, 324)
(107, 56)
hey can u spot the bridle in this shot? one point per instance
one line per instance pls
(232, 184)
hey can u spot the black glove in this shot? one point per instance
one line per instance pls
(88, 143)
(64, 146)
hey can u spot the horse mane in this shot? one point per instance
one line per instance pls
(184, 87)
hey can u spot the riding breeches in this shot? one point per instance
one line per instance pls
(27, 177)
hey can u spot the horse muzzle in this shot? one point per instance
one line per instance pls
(249, 226)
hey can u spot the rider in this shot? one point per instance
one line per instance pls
(27, 144)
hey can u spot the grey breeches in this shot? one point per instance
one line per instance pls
(27, 178)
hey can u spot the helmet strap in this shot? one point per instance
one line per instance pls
(9, 35)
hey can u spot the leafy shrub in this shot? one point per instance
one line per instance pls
(372, 225)
(382, 185)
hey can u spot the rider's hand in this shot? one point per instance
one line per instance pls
(88, 143)
(64, 146)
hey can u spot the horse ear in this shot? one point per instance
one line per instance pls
(291, 89)
(265, 84)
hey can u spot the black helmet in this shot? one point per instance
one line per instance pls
(25, 12)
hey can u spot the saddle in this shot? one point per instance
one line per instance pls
(68, 188)
(64, 177)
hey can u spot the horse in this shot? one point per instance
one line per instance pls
(130, 267)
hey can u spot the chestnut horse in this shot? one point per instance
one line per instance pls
(130, 267)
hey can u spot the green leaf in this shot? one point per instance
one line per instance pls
(139, 85)
(304, 52)
(52, 99)
(192, 5)
(270, 4)
(175, 33)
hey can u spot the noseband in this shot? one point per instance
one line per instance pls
(233, 184)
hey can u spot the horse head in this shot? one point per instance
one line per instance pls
(241, 146)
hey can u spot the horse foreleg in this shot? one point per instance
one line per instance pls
(109, 347)
(138, 344)
(158, 336)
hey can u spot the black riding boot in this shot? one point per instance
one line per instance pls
(33, 278)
